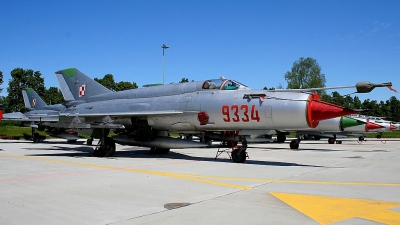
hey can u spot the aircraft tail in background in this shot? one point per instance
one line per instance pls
(78, 86)
(32, 100)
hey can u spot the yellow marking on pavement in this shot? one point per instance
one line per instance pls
(151, 172)
(326, 210)
(202, 178)
(295, 181)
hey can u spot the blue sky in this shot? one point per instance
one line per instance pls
(254, 42)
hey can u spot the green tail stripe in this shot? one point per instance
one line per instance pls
(70, 72)
(349, 122)
(29, 90)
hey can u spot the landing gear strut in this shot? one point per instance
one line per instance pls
(89, 141)
(106, 146)
(280, 138)
(332, 140)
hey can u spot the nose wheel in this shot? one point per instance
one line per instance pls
(294, 144)
(239, 155)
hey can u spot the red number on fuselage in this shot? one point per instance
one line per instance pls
(225, 112)
(235, 110)
(254, 114)
(244, 113)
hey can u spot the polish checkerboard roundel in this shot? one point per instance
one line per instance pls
(33, 102)
(81, 90)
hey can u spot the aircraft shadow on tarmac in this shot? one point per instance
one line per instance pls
(73, 151)
(86, 151)
(300, 149)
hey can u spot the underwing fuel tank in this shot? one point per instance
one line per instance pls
(159, 142)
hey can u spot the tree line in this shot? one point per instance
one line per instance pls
(28, 78)
(305, 73)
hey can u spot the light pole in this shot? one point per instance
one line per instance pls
(163, 57)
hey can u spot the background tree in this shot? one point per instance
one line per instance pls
(124, 85)
(107, 81)
(394, 107)
(265, 88)
(305, 73)
(1, 80)
(53, 96)
(184, 80)
(21, 79)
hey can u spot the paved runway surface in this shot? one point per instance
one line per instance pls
(58, 183)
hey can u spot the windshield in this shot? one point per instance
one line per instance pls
(223, 84)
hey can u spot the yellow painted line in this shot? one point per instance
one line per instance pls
(295, 181)
(203, 178)
(326, 210)
(151, 172)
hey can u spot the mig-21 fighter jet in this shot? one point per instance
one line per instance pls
(146, 116)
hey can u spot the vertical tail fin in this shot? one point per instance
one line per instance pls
(32, 100)
(80, 86)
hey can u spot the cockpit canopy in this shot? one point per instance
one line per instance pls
(223, 84)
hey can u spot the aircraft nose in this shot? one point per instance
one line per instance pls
(392, 127)
(318, 110)
(372, 126)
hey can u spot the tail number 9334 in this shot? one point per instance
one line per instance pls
(237, 113)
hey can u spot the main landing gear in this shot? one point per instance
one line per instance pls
(106, 145)
(332, 140)
(280, 138)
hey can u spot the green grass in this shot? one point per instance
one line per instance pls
(14, 131)
(393, 134)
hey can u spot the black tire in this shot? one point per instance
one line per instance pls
(361, 138)
(379, 136)
(316, 137)
(239, 155)
(331, 140)
(36, 138)
(89, 142)
(281, 138)
(294, 144)
(106, 150)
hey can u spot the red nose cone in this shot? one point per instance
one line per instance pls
(372, 126)
(318, 110)
(392, 127)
